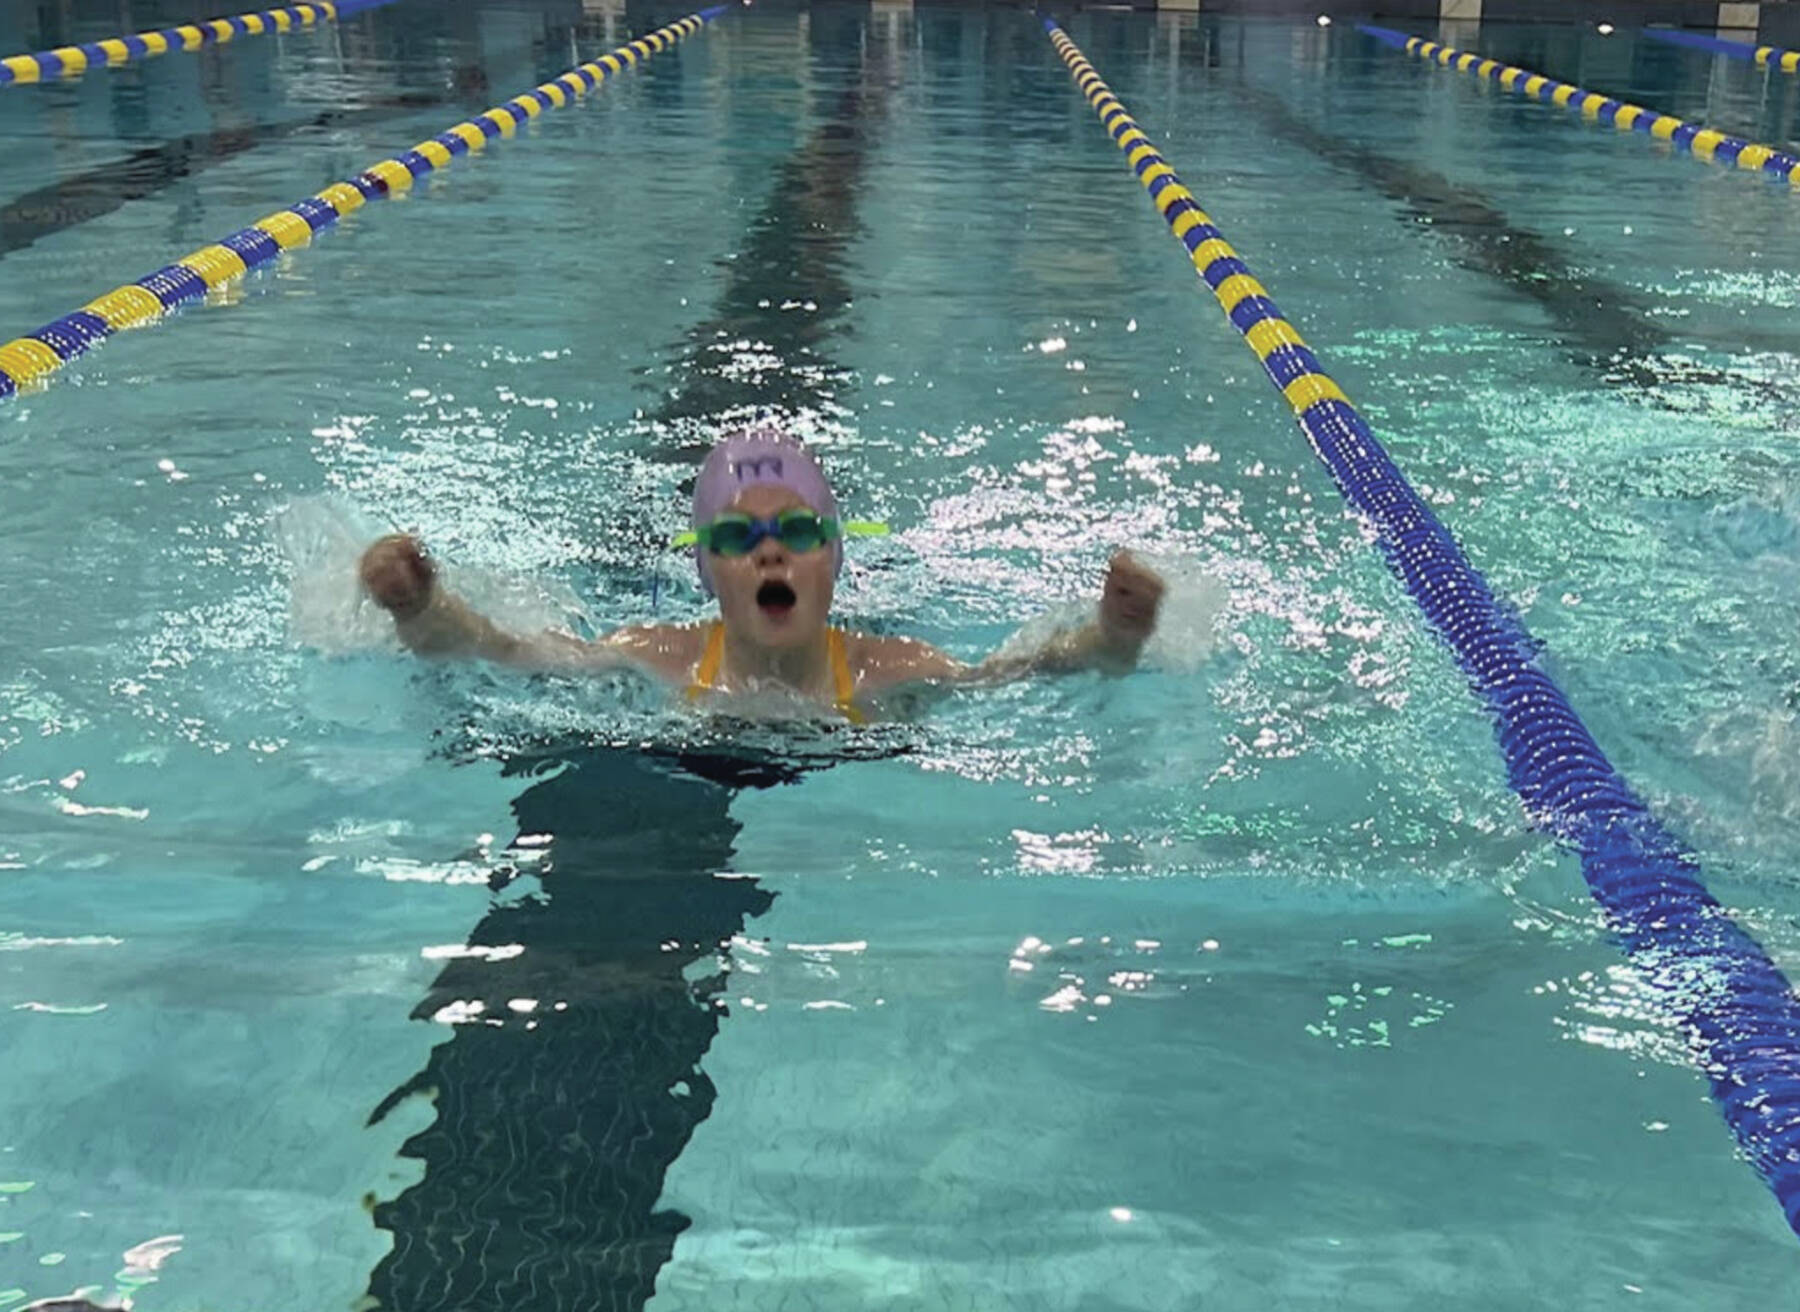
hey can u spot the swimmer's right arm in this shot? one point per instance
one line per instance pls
(434, 622)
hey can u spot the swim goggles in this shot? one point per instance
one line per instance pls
(798, 529)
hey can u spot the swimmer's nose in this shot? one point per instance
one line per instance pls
(770, 551)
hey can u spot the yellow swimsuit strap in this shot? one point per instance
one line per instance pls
(706, 673)
(843, 681)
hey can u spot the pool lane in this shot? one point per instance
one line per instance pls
(1736, 1010)
(1701, 142)
(556, 1123)
(35, 357)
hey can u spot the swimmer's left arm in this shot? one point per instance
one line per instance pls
(1111, 642)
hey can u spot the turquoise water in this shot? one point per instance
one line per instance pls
(1241, 982)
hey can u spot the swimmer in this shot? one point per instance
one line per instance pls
(768, 544)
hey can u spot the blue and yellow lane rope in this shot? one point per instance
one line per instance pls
(34, 357)
(1701, 142)
(1738, 1011)
(1787, 61)
(72, 61)
(1290, 363)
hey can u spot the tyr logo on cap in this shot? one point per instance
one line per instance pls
(760, 457)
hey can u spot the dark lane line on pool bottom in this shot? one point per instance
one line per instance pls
(571, 1080)
(555, 1126)
(797, 247)
(98, 192)
(1604, 326)
(797, 244)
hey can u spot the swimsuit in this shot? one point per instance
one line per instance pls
(843, 682)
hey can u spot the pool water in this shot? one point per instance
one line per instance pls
(331, 980)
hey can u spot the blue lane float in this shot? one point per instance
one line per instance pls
(1737, 1010)
(1787, 61)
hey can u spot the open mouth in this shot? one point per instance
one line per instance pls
(776, 598)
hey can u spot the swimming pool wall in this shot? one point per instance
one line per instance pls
(1738, 17)
(1737, 1010)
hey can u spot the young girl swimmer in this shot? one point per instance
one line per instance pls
(769, 545)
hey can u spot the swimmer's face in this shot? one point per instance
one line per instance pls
(774, 597)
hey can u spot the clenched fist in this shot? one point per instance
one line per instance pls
(1129, 601)
(398, 574)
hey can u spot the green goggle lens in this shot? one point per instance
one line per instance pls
(738, 535)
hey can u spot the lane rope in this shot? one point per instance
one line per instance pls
(73, 61)
(1736, 1008)
(1787, 61)
(1701, 142)
(31, 359)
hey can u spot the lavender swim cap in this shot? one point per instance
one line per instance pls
(758, 455)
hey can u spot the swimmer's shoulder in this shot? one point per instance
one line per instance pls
(668, 651)
(880, 662)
